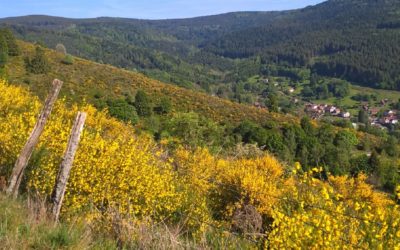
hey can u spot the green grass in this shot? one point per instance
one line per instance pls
(24, 224)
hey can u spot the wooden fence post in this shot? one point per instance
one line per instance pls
(23, 159)
(66, 165)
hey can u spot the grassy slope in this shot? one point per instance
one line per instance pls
(25, 224)
(84, 79)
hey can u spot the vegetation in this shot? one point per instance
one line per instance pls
(38, 64)
(194, 119)
(322, 38)
(331, 39)
(122, 110)
(25, 225)
(3, 52)
(121, 180)
(142, 104)
(12, 45)
(68, 59)
(97, 83)
(177, 160)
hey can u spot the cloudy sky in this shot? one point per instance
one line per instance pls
(148, 9)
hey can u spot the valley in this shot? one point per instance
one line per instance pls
(243, 130)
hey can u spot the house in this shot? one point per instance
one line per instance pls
(389, 113)
(364, 103)
(374, 111)
(265, 80)
(388, 120)
(311, 107)
(345, 114)
(330, 109)
(337, 112)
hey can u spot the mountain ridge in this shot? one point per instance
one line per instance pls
(331, 39)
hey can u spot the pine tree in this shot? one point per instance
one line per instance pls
(272, 103)
(3, 52)
(164, 107)
(13, 48)
(362, 116)
(142, 104)
(39, 63)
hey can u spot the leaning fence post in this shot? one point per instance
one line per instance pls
(66, 165)
(23, 159)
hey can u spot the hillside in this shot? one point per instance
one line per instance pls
(196, 119)
(332, 38)
(85, 79)
(126, 191)
(263, 130)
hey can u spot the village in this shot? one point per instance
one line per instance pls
(317, 111)
(377, 116)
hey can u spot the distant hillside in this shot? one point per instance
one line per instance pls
(167, 49)
(353, 39)
(357, 40)
(85, 80)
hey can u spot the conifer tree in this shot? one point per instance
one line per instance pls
(3, 52)
(13, 48)
(39, 63)
(164, 107)
(272, 103)
(142, 104)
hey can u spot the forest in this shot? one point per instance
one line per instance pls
(332, 39)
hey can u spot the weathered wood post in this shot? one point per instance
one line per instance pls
(26, 153)
(66, 165)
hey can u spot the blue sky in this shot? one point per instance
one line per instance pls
(147, 9)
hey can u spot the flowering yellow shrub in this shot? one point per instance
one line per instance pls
(343, 213)
(252, 181)
(112, 167)
(398, 192)
(119, 171)
(231, 183)
(17, 118)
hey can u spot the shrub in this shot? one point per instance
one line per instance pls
(13, 48)
(39, 63)
(68, 60)
(3, 52)
(143, 104)
(120, 109)
(164, 107)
